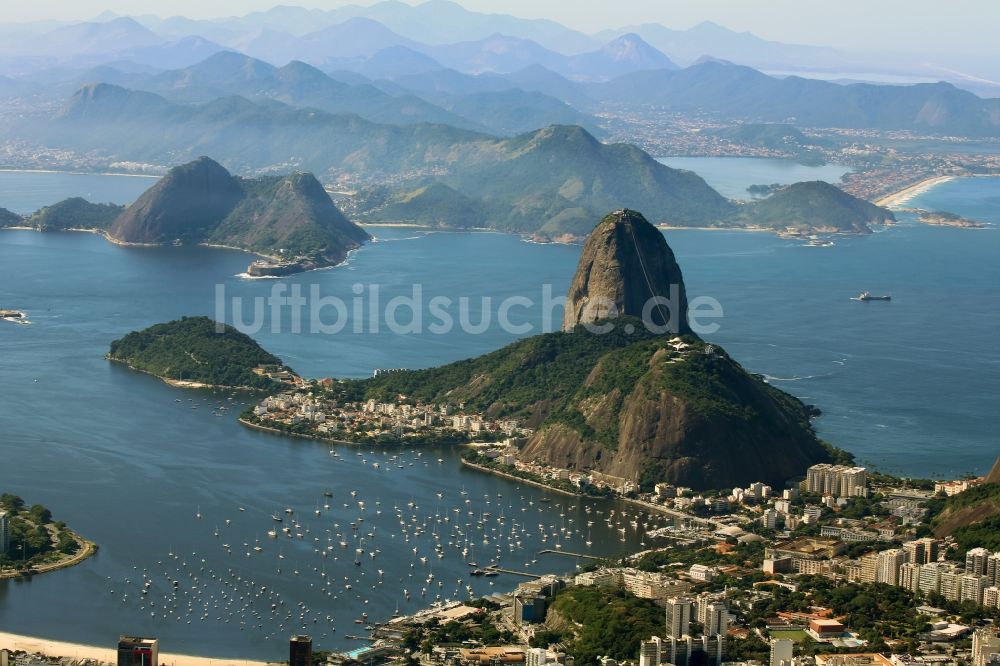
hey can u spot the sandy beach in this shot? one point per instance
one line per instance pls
(77, 651)
(904, 195)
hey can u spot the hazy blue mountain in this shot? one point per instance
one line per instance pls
(433, 22)
(181, 53)
(449, 83)
(438, 21)
(625, 54)
(534, 78)
(737, 92)
(248, 136)
(296, 84)
(86, 39)
(504, 54)
(496, 53)
(538, 78)
(707, 38)
(356, 37)
(515, 111)
(389, 63)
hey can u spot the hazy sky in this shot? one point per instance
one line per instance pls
(966, 26)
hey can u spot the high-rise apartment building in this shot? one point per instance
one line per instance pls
(300, 650)
(837, 480)
(678, 616)
(889, 563)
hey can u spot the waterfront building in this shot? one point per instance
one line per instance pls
(837, 480)
(136, 651)
(529, 608)
(782, 651)
(300, 651)
(678, 617)
(600, 578)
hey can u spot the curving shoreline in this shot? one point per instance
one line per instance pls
(518, 479)
(87, 549)
(909, 192)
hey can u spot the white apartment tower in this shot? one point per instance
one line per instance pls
(678, 616)
(977, 561)
(889, 563)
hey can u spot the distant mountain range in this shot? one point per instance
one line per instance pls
(736, 92)
(547, 182)
(443, 32)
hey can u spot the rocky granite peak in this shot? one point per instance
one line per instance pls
(625, 263)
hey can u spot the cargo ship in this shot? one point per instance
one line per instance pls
(866, 296)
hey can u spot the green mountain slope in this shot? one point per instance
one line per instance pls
(74, 213)
(9, 219)
(558, 180)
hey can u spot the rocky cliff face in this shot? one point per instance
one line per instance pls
(994, 475)
(625, 264)
(692, 417)
(183, 205)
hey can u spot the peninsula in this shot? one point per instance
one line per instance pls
(31, 542)
(193, 353)
(626, 404)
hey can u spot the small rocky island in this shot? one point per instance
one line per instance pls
(35, 543)
(944, 219)
(191, 352)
